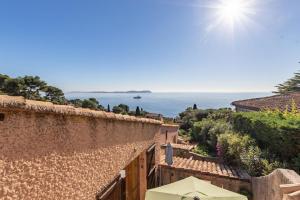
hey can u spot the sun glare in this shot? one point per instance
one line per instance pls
(231, 10)
(231, 13)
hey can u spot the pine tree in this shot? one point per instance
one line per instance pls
(137, 111)
(291, 85)
(195, 107)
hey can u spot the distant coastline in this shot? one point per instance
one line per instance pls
(119, 92)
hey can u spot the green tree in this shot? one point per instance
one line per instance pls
(117, 110)
(13, 86)
(124, 107)
(231, 145)
(54, 95)
(121, 109)
(90, 103)
(3, 77)
(31, 87)
(137, 111)
(108, 108)
(291, 85)
(195, 107)
(76, 102)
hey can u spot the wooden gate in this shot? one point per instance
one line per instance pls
(132, 180)
(114, 191)
(151, 167)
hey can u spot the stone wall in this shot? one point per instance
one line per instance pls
(187, 153)
(268, 187)
(170, 175)
(169, 133)
(60, 152)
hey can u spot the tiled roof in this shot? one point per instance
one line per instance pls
(271, 102)
(207, 167)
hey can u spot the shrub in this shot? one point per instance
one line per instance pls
(296, 163)
(251, 160)
(222, 113)
(206, 132)
(274, 131)
(231, 145)
(190, 115)
(202, 150)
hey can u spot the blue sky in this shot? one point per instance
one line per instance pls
(161, 45)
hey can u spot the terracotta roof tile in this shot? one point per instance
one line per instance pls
(271, 102)
(207, 167)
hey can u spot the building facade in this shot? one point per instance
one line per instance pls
(61, 152)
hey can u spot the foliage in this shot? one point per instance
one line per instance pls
(201, 150)
(291, 85)
(206, 132)
(92, 103)
(31, 87)
(296, 163)
(54, 95)
(76, 102)
(169, 120)
(251, 160)
(195, 107)
(276, 133)
(121, 109)
(190, 115)
(256, 141)
(137, 111)
(13, 87)
(3, 77)
(231, 145)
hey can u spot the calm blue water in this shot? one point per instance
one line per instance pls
(168, 104)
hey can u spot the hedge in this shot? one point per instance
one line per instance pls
(276, 132)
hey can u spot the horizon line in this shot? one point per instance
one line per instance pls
(166, 91)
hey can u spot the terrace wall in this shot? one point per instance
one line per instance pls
(59, 152)
(268, 187)
(170, 175)
(169, 133)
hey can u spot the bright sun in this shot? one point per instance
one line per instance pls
(231, 13)
(231, 10)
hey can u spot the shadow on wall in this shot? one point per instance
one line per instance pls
(268, 187)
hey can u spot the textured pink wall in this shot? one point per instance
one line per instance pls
(172, 133)
(56, 156)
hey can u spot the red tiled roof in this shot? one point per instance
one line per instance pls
(207, 167)
(271, 102)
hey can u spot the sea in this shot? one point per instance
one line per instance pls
(170, 104)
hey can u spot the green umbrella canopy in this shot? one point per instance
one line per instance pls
(189, 188)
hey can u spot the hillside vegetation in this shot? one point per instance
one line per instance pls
(256, 141)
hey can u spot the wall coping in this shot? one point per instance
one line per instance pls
(171, 125)
(20, 103)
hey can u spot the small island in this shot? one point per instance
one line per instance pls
(137, 97)
(125, 92)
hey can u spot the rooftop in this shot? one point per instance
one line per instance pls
(20, 103)
(181, 146)
(271, 102)
(207, 167)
